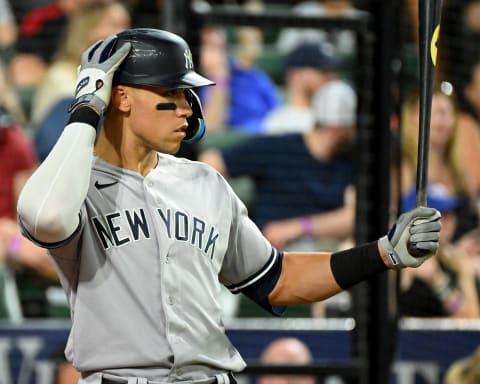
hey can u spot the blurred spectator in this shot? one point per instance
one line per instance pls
(338, 42)
(146, 13)
(444, 286)
(286, 351)
(12, 111)
(468, 128)
(458, 40)
(8, 31)
(464, 371)
(40, 31)
(214, 63)
(53, 97)
(317, 162)
(244, 93)
(90, 24)
(42, 27)
(447, 165)
(10, 307)
(17, 156)
(18, 249)
(17, 161)
(65, 373)
(306, 69)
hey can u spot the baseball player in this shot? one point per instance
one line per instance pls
(142, 239)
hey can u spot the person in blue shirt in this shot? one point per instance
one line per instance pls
(244, 93)
(301, 180)
(303, 198)
(255, 96)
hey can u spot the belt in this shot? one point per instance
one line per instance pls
(217, 380)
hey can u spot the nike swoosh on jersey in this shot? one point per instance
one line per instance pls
(101, 186)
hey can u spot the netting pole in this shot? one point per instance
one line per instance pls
(375, 300)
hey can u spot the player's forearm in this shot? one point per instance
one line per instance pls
(308, 277)
(49, 203)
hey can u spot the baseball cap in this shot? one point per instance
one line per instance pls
(438, 197)
(310, 55)
(335, 105)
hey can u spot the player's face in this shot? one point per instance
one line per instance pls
(159, 130)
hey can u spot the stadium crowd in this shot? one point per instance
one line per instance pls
(282, 115)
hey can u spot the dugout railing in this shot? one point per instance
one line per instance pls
(374, 334)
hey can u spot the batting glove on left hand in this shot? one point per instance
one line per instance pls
(413, 239)
(95, 74)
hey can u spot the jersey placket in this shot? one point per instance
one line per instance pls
(169, 294)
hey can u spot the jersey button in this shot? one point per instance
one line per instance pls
(170, 300)
(149, 183)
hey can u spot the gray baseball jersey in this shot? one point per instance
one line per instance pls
(142, 273)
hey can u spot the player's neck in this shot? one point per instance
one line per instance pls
(118, 153)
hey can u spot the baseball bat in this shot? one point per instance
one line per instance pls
(429, 14)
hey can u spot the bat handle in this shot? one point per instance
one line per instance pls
(412, 249)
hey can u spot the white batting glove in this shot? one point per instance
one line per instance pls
(95, 74)
(413, 239)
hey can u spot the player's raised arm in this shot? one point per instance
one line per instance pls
(314, 276)
(50, 202)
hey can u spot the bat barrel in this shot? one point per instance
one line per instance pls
(429, 15)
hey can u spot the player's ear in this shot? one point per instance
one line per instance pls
(121, 98)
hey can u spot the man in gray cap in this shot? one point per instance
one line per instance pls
(306, 70)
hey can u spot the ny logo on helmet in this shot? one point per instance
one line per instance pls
(188, 59)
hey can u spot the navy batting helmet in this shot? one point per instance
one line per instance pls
(162, 59)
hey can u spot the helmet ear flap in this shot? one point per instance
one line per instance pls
(196, 122)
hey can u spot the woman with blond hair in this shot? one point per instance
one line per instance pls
(446, 285)
(90, 24)
(446, 164)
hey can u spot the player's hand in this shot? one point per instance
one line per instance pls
(413, 239)
(95, 74)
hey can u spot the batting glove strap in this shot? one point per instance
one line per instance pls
(416, 231)
(85, 114)
(90, 100)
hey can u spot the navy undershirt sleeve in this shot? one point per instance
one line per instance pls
(260, 289)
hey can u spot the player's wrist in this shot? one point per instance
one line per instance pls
(354, 265)
(85, 113)
(383, 255)
(387, 253)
